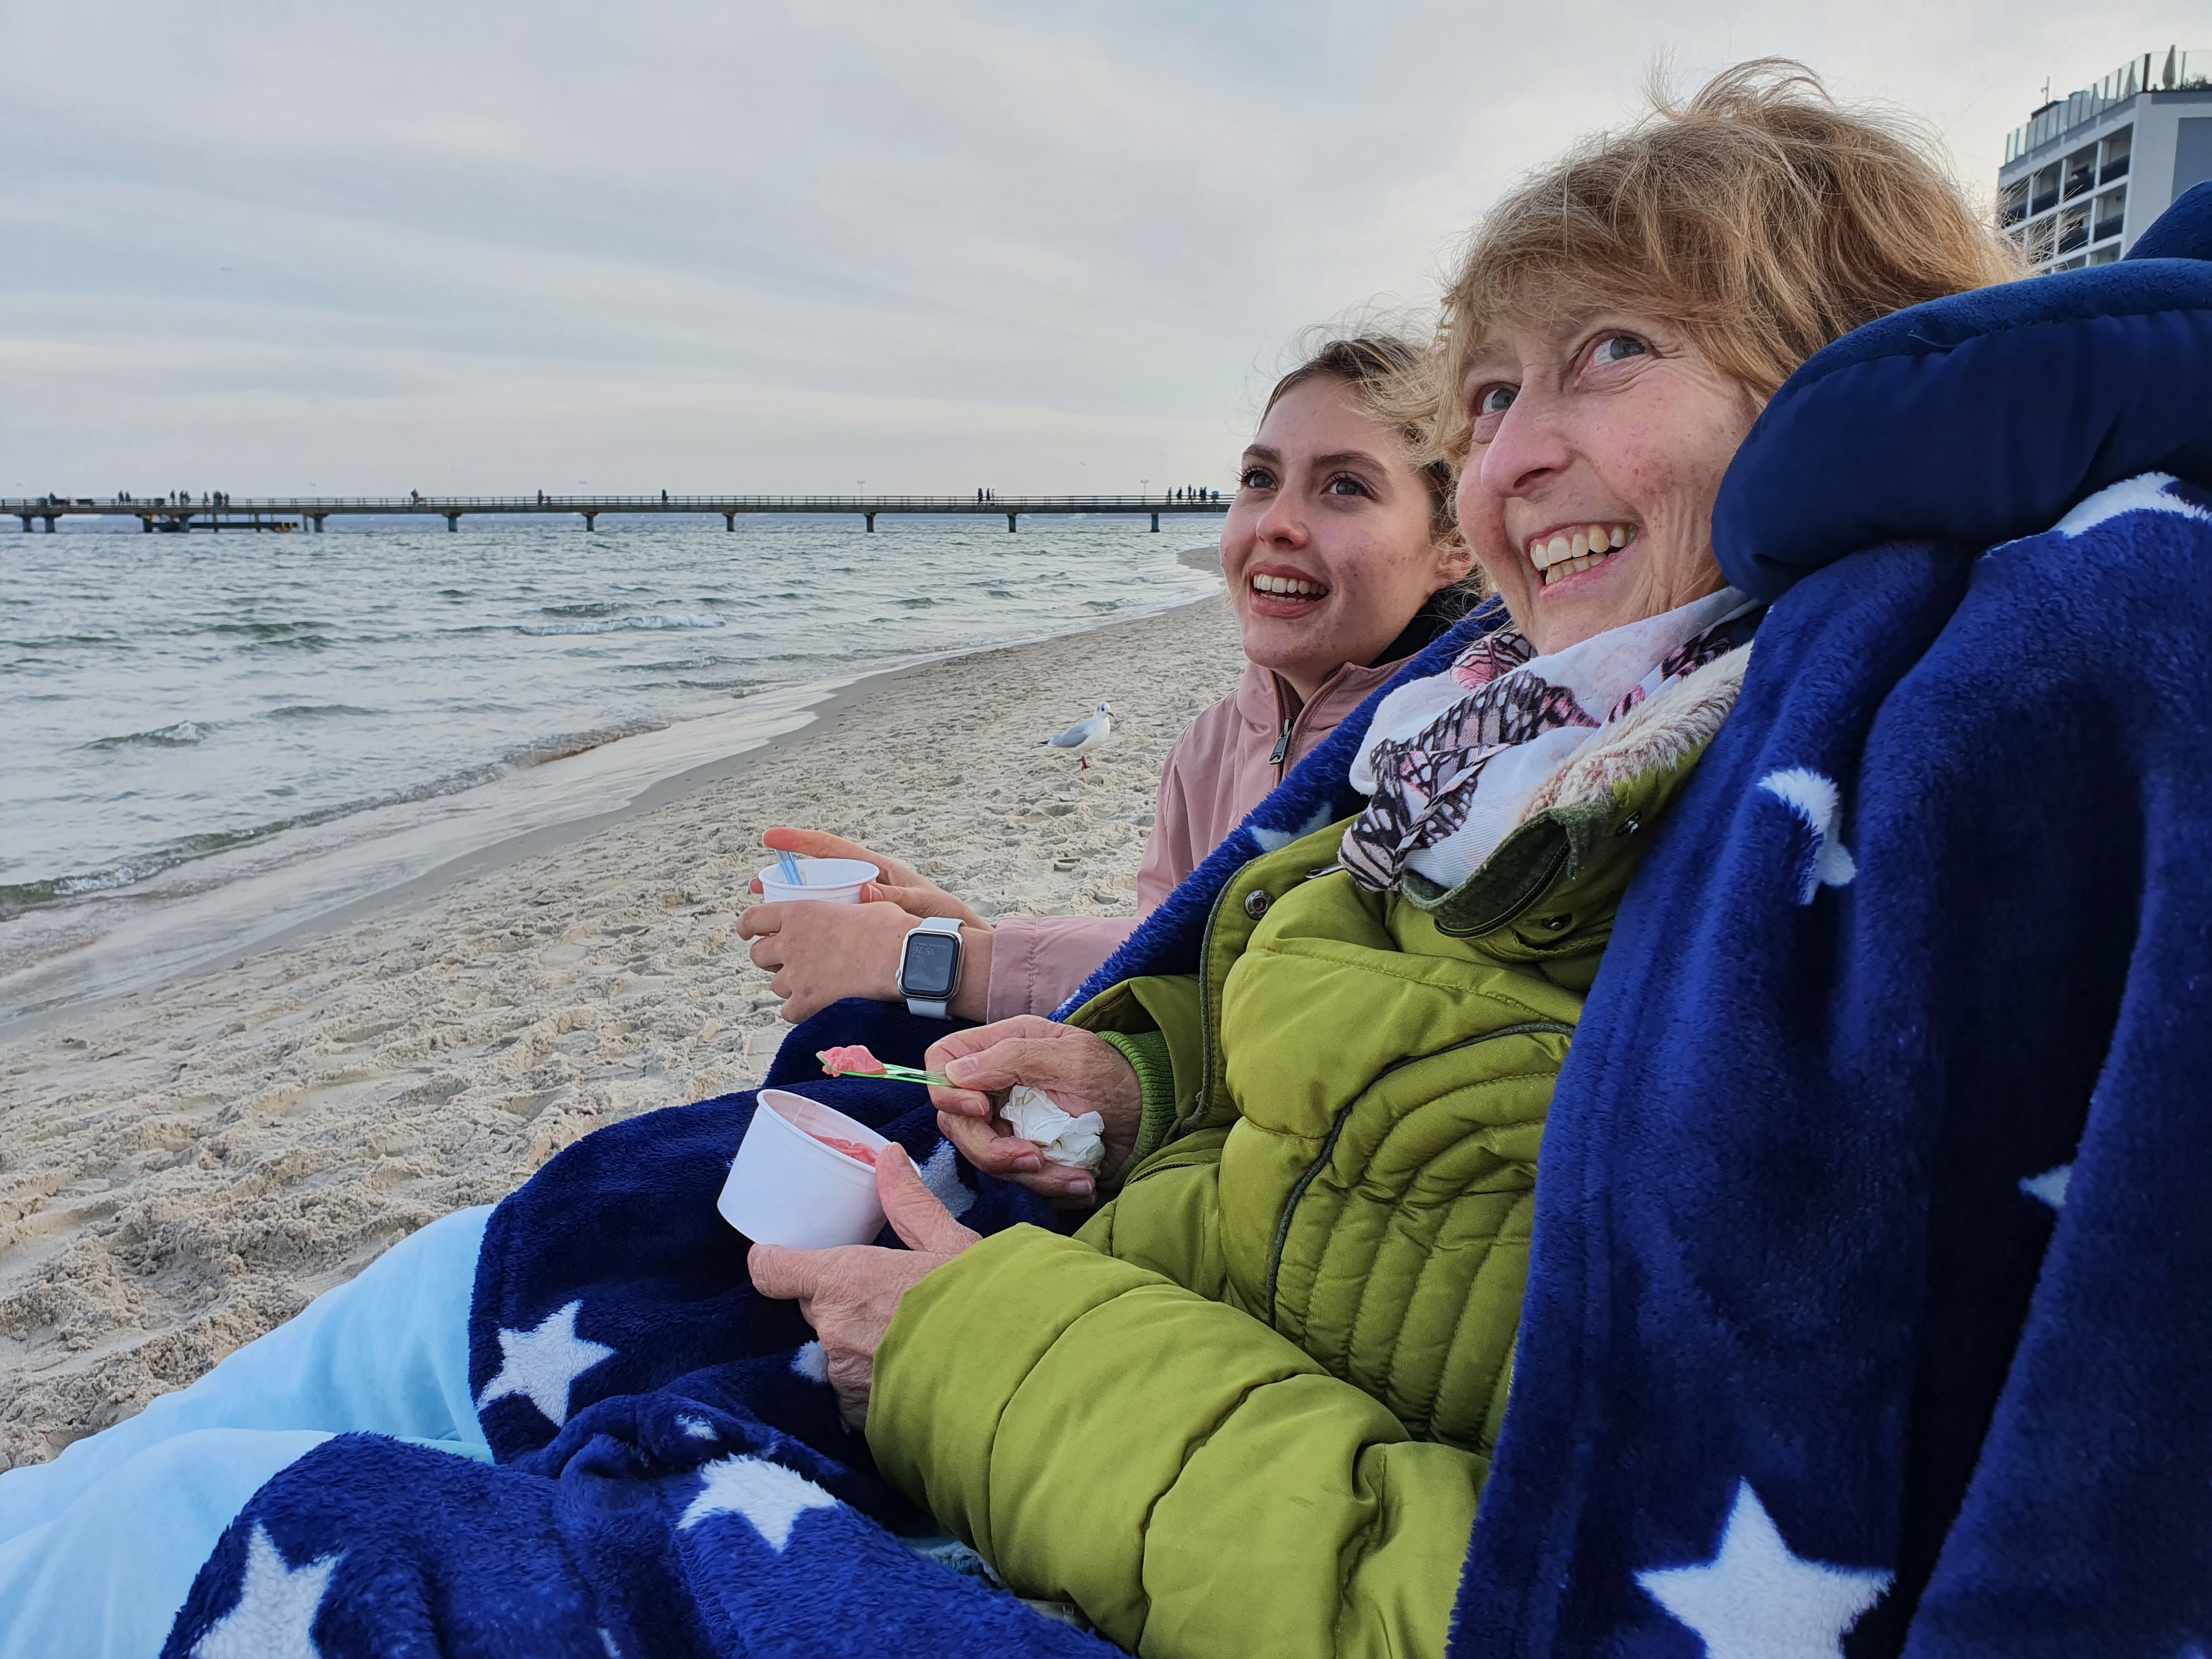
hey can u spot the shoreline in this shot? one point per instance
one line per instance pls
(784, 713)
(185, 1167)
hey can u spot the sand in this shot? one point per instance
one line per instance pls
(182, 1169)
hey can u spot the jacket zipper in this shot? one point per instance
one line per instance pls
(1282, 747)
(1205, 997)
(1527, 1028)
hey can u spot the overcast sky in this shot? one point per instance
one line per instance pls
(270, 247)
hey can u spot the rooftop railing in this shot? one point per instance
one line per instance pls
(2172, 70)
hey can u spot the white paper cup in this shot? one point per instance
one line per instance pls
(787, 1187)
(828, 881)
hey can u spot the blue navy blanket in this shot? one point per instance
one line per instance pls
(1871, 1289)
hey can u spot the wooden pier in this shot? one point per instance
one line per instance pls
(272, 513)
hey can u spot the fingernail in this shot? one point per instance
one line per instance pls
(1080, 1187)
(958, 1070)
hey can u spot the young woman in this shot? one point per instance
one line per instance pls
(1342, 560)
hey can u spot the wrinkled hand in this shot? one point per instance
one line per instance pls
(1081, 1071)
(821, 953)
(914, 893)
(849, 1295)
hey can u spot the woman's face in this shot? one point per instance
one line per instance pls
(1328, 546)
(1599, 442)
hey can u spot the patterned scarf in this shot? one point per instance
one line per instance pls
(1450, 761)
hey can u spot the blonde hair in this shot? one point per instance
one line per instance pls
(1376, 367)
(1759, 218)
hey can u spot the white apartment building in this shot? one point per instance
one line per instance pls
(2089, 172)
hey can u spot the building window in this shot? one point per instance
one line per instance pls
(2104, 256)
(2045, 192)
(2111, 211)
(2074, 228)
(2115, 164)
(2012, 202)
(2038, 240)
(2080, 172)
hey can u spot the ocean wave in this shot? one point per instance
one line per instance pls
(306, 711)
(182, 735)
(622, 625)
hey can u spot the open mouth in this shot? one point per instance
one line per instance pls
(1561, 553)
(1286, 589)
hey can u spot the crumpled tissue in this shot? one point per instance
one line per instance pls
(1078, 1142)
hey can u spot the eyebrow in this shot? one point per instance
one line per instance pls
(1335, 458)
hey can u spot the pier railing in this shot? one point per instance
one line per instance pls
(272, 512)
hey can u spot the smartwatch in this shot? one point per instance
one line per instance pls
(929, 967)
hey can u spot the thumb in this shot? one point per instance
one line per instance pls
(1038, 1061)
(920, 901)
(782, 1273)
(916, 1213)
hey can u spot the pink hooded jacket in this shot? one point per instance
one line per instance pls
(1218, 770)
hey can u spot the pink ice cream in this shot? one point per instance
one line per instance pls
(852, 1060)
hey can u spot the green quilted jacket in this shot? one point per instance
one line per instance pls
(1249, 1407)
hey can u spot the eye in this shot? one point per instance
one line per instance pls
(1495, 399)
(1618, 347)
(1344, 484)
(1256, 477)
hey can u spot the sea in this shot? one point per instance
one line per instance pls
(207, 739)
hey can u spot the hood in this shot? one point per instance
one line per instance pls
(1984, 417)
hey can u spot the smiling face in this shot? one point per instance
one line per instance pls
(1330, 546)
(1599, 443)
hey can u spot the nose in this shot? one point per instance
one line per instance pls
(1529, 446)
(1283, 524)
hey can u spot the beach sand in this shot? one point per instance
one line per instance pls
(184, 1168)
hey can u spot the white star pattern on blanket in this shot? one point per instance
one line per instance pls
(275, 1618)
(2050, 1187)
(811, 1363)
(769, 1495)
(1819, 804)
(1757, 1600)
(542, 1364)
(2145, 492)
(940, 1173)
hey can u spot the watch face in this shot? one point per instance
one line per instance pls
(931, 970)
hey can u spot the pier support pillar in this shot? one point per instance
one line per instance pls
(1156, 524)
(1010, 524)
(145, 525)
(729, 521)
(452, 521)
(872, 523)
(591, 522)
(50, 524)
(26, 518)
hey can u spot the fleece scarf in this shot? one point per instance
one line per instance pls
(1452, 762)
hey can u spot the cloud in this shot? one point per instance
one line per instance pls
(784, 247)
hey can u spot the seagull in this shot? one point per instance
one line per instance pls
(1080, 738)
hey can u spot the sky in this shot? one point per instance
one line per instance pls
(474, 246)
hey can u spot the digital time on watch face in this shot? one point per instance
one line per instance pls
(932, 960)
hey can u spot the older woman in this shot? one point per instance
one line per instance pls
(1342, 561)
(1250, 1406)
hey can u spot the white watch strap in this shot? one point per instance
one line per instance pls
(920, 1005)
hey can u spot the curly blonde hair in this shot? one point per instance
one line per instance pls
(1760, 217)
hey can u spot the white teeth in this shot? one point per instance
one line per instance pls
(1592, 542)
(1289, 587)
